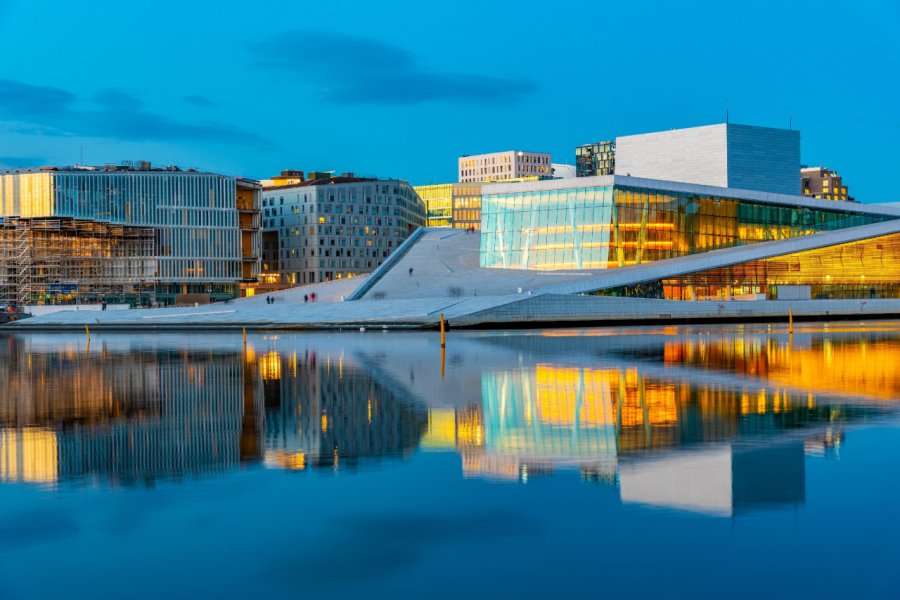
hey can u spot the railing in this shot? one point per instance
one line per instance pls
(395, 256)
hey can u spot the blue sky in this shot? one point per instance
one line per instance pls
(401, 89)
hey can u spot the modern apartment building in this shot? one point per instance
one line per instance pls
(725, 155)
(820, 182)
(126, 234)
(598, 158)
(334, 227)
(502, 166)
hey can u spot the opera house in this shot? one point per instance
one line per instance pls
(726, 241)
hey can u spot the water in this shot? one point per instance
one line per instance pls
(708, 462)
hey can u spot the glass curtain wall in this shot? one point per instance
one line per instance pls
(606, 227)
(452, 204)
(547, 229)
(196, 246)
(467, 205)
(438, 201)
(861, 270)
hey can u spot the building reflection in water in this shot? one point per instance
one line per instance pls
(834, 364)
(321, 412)
(126, 416)
(715, 445)
(711, 424)
(140, 416)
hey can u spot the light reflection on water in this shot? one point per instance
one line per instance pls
(716, 422)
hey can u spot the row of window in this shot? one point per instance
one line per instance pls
(337, 252)
(204, 270)
(134, 198)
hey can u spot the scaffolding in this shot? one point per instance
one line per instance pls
(71, 261)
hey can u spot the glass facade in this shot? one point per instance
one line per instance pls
(595, 159)
(438, 201)
(203, 243)
(467, 206)
(452, 204)
(862, 270)
(602, 227)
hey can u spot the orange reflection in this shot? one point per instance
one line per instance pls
(825, 365)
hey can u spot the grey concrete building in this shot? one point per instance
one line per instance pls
(335, 227)
(724, 155)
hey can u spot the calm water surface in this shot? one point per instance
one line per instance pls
(702, 462)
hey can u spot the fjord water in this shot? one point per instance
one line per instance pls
(700, 462)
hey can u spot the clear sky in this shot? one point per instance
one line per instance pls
(400, 89)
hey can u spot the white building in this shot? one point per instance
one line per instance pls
(500, 166)
(724, 155)
(561, 171)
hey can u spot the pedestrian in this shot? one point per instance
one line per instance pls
(305, 298)
(312, 297)
(410, 271)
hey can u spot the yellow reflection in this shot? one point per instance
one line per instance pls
(470, 428)
(861, 270)
(291, 461)
(270, 366)
(30, 455)
(441, 432)
(825, 365)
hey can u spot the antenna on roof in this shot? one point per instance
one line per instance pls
(726, 110)
(790, 118)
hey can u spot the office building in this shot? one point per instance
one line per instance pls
(726, 155)
(287, 177)
(126, 234)
(503, 166)
(598, 158)
(820, 182)
(334, 227)
(452, 204)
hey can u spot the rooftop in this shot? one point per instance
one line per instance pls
(504, 152)
(345, 178)
(123, 167)
(727, 124)
(880, 208)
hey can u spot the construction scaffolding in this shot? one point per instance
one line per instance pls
(72, 261)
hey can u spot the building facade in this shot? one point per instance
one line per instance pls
(820, 182)
(452, 204)
(335, 227)
(725, 155)
(126, 234)
(502, 166)
(595, 159)
(620, 222)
